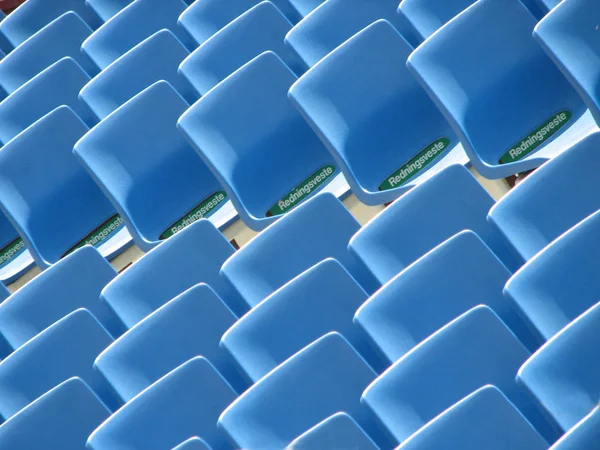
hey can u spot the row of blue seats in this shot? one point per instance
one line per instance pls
(391, 111)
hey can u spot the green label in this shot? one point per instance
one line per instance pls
(207, 206)
(12, 250)
(100, 234)
(416, 165)
(536, 138)
(303, 190)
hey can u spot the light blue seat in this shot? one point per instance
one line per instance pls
(449, 202)
(74, 282)
(257, 145)
(54, 204)
(583, 436)
(472, 351)
(193, 256)
(62, 418)
(564, 375)
(317, 230)
(157, 58)
(320, 300)
(334, 22)
(55, 86)
(182, 404)
(189, 325)
(324, 378)
(569, 35)
(58, 39)
(65, 349)
(410, 307)
(193, 444)
(551, 200)
(31, 17)
(364, 86)
(15, 258)
(167, 170)
(339, 431)
(560, 283)
(136, 22)
(509, 104)
(485, 419)
(261, 28)
(105, 9)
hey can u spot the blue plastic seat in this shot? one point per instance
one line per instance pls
(182, 404)
(409, 308)
(62, 418)
(551, 200)
(324, 378)
(485, 419)
(55, 86)
(364, 86)
(134, 23)
(318, 229)
(257, 145)
(58, 39)
(339, 431)
(510, 105)
(334, 22)
(193, 256)
(74, 282)
(472, 351)
(259, 29)
(105, 9)
(189, 325)
(564, 375)
(193, 444)
(65, 349)
(320, 300)
(583, 436)
(569, 35)
(167, 171)
(34, 196)
(31, 17)
(449, 202)
(157, 58)
(560, 283)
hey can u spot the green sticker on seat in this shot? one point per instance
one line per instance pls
(11, 251)
(416, 165)
(100, 234)
(206, 206)
(303, 190)
(536, 138)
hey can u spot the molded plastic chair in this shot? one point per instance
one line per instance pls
(409, 308)
(58, 39)
(51, 200)
(509, 104)
(193, 256)
(551, 200)
(134, 23)
(360, 97)
(55, 86)
(472, 351)
(72, 283)
(62, 418)
(257, 145)
(564, 375)
(583, 436)
(140, 143)
(569, 35)
(560, 282)
(259, 29)
(193, 444)
(184, 403)
(485, 419)
(105, 9)
(317, 230)
(189, 325)
(65, 349)
(324, 378)
(449, 202)
(339, 431)
(157, 58)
